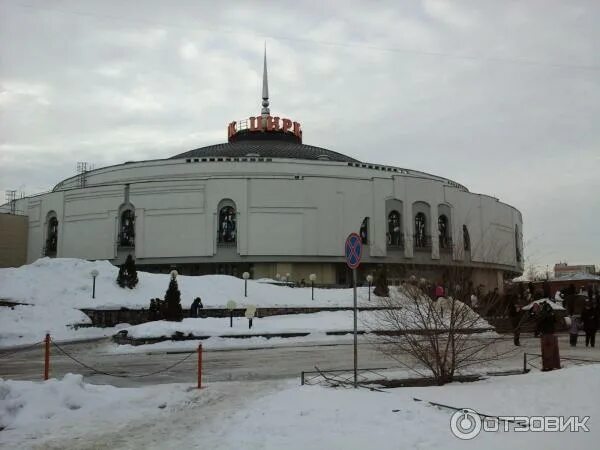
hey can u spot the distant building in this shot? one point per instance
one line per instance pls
(565, 270)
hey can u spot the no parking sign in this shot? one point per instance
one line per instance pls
(353, 250)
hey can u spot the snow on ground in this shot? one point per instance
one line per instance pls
(215, 326)
(219, 343)
(66, 282)
(274, 415)
(27, 324)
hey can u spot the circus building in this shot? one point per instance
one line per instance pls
(268, 203)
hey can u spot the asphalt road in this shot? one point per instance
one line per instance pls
(229, 365)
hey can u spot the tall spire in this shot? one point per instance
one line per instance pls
(265, 90)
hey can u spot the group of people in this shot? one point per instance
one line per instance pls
(545, 320)
(542, 314)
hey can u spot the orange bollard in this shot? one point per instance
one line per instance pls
(47, 357)
(200, 366)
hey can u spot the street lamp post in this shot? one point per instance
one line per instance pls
(312, 277)
(370, 281)
(245, 276)
(94, 273)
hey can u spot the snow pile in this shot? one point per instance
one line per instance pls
(24, 403)
(293, 323)
(555, 306)
(29, 409)
(29, 323)
(66, 282)
(321, 322)
(410, 309)
(219, 343)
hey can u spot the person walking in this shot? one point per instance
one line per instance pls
(573, 331)
(589, 317)
(514, 312)
(194, 307)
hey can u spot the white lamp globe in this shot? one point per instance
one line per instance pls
(312, 277)
(94, 273)
(370, 278)
(245, 275)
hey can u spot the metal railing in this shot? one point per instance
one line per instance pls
(395, 241)
(446, 244)
(125, 241)
(422, 243)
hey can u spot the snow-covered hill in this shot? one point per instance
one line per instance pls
(67, 282)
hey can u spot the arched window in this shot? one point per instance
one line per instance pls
(227, 225)
(420, 230)
(51, 235)
(443, 231)
(466, 239)
(127, 229)
(518, 250)
(394, 234)
(364, 231)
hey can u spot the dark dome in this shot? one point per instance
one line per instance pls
(265, 149)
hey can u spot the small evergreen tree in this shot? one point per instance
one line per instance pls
(121, 277)
(173, 310)
(131, 277)
(128, 274)
(381, 284)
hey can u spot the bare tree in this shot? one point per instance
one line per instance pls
(440, 336)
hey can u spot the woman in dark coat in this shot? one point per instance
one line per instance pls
(589, 317)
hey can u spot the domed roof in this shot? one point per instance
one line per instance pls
(266, 149)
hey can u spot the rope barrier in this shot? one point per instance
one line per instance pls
(93, 369)
(568, 358)
(454, 408)
(20, 349)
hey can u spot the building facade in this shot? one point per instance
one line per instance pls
(563, 269)
(267, 203)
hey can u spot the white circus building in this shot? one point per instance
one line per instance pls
(267, 203)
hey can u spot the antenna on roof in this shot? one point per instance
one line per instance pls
(82, 169)
(10, 196)
(265, 89)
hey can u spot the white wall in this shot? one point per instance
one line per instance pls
(283, 209)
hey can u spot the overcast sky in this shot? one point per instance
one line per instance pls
(503, 97)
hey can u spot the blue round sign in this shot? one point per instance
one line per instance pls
(353, 250)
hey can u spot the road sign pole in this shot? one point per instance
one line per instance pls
(353, 252)
(355, 333)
